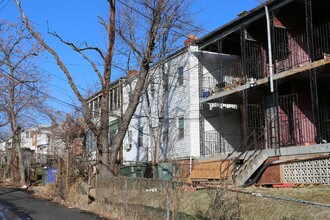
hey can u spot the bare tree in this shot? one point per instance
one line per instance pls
(100, 130)
(140, 25)
(151, 29)
(20, 82)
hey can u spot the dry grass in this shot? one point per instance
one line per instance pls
(205, 204)
(319, 194)
(267, 208)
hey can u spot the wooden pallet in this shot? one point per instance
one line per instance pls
(209, 171)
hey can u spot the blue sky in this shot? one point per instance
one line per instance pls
(76, 20)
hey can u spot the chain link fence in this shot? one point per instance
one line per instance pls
(138, 198)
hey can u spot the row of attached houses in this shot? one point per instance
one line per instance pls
(252, 92)
(35, 145)
(39, 144)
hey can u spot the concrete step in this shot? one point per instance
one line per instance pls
(246, 170)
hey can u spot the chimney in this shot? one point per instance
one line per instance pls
(243, 13)
(132, 73)
(190, 40)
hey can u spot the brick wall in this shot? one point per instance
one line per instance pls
(272, 174)
(181, 168)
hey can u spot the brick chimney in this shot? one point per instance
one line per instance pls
(190, 40)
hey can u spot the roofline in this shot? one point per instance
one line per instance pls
(174, 54)
(112, 84)
(240, 21)
(170, 56)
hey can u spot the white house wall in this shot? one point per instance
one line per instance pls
(178, 100)
(132, 152)
(194, 103)
(181, 101)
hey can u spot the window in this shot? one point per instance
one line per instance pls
(180, 75)
(96, 108)
(48, 138)
(27, 134)
(140, 137)
(130, 140)
(112, 131)
(165, 139)
(90, 105)
(282, 49)
(152, 89)
(110, 100)
(115, 98)
(181, 127)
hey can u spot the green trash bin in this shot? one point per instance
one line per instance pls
(165, 171)
(133, 171)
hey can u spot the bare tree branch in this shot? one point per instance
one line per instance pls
(75, 48)
(60, 64)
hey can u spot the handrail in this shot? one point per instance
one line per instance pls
(243, 152)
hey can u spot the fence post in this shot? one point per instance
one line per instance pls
(168, 204)
(87, 189)
(96, 187)
(126, 196)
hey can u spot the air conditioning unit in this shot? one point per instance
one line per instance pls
(128, 147)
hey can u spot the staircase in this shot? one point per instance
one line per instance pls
(246, 165)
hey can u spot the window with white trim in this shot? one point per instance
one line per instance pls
(181, 127)
(180, 75)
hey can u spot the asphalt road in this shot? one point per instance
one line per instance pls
(19, 204)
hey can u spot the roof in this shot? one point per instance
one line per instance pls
(244, 17)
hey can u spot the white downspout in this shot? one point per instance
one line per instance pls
(271, 74)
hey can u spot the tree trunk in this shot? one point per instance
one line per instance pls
(21, 165)
(16, 130)
(162, 113)
(140, 85)
(151, 137)
(119, 137)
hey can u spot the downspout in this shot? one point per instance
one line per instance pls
(271, 74)
(190, 160)
(190, 153)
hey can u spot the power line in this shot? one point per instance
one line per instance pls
(64, 80)
(145, 16)
(4, 4)
(69, 64)
(184, 22)
(38, 90)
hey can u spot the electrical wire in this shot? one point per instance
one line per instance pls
(145, 16)
(41, 92)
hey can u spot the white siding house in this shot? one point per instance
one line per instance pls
(37, 139)
(180, 131)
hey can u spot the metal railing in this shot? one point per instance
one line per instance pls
(290, 52)
(216, 142)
